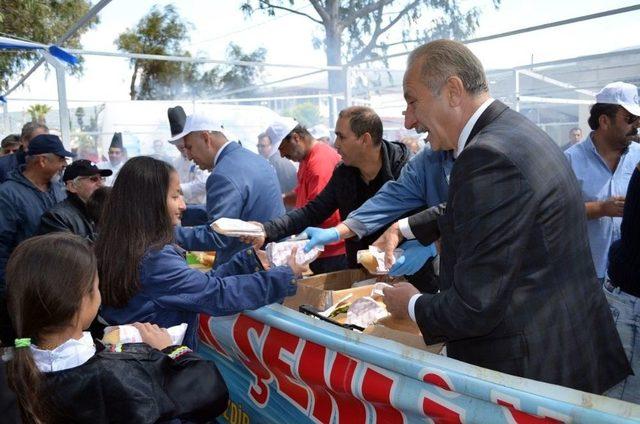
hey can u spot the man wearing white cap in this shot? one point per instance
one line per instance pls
(603, 164)
(321, 133)
(241, 185)
(317, 162)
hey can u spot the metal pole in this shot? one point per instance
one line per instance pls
(63, 110)
(5, 115)
(82, 22)
(347, 86)
(517, 90)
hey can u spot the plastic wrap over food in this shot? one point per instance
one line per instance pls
(373, 259)
(365, 311)
(121, 334)
(236, 227)
(278, 253)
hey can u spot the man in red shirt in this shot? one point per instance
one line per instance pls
(317, 162)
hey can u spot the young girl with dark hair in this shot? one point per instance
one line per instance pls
(144, 276)
(58, 374)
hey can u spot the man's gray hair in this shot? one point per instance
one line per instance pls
(442, 59)
(29, 128)
(32, 158)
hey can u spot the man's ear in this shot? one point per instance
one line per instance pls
(71, 186)
(42, 161)
(604, 122)
(366, 139)
(208, 139)
(454, 90)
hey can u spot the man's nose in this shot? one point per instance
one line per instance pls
(409, 121)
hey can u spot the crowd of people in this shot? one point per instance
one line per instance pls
(519, 256)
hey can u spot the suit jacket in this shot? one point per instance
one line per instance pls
(519, 292)
(242, 185)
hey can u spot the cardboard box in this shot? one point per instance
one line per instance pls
(323, 290)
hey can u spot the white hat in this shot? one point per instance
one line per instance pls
(197, 122)
(319, 131)
(620, 93)
(279, 129)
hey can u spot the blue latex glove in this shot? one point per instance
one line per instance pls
(414, 257)
(319, 237)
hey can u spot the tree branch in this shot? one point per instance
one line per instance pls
(317, 5)
(401, 14)
(372, 42)
(296, 12)
(372, 7)
(362, 54)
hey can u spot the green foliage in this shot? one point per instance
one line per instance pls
(362, 25)
(356, 30)
(41, 21)
(305, 113)
(226, 78)
(162, 32)
(39, 112)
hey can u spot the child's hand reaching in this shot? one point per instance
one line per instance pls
(297, 269)
(153, 335)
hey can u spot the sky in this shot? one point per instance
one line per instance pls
(288, 39)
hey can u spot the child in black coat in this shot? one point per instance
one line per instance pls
(57, 372)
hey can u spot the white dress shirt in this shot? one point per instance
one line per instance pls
(462, 140)
(69, 354)
(215, 160)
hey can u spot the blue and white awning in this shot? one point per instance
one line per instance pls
(7, 43)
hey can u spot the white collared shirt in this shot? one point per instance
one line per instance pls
(403, 224)
(466, 130)
(69, 354)
(215, 160)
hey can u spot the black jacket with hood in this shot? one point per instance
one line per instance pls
(68, 215)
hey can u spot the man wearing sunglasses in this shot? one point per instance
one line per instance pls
(81, 179)
(604, 162)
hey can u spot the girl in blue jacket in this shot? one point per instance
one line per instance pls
(144, 275)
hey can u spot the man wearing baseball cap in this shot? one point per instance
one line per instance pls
(81, 179)
(241, 185)
(192, 178)
(605, 178)
(604, 162)
(26, 194)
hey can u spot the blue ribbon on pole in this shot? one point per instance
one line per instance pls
(63, 55)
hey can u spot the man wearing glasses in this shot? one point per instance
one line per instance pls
(603, 164)
(81, 179)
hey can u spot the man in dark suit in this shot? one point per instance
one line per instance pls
(519, 292)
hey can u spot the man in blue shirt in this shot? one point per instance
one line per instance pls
(603, 164)
(241, 185)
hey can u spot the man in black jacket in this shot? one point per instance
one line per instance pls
(81, 178)
(368, 162)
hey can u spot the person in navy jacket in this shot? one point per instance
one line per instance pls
(241, 185)
(144, 276)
